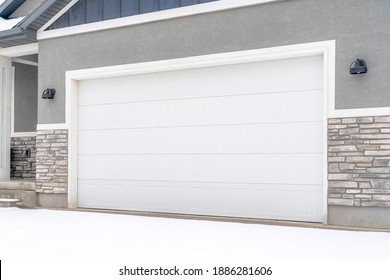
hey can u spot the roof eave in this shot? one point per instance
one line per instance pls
(25, 31)
(17, 36)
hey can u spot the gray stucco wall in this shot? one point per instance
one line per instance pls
(26, 84)
(360, 28)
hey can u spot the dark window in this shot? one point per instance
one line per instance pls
(111, 9)
(77, 13)
(148, 6)
(94, 10)
(169, 4)
(63, 21)
(130, 8)
(86, 11)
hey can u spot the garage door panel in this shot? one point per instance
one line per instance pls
(262, 138)
(304, 73)
(260, 108)
(243, 140)
(202, 198)
(294, 169)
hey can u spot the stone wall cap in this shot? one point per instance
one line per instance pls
(27, 185)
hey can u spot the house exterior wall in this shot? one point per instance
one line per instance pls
(25, 97)
(358, 182)
(254, 27)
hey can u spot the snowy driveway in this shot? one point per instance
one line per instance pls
(49, 234)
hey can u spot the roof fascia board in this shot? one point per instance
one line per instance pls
(10, 32)
(17, 33)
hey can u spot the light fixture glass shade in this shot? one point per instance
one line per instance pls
(359, 66)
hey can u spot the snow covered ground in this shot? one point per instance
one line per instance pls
(62, 234)
(48, 236)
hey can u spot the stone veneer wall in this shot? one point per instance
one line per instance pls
(23, 159)
(52, 161)
(359, 161)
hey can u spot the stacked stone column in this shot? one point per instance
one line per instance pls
(359, 161)
(52, 161)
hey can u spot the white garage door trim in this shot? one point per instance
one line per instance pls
(326, 49)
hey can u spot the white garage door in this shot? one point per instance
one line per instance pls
(241, 140)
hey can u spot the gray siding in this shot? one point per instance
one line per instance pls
(26, 83)
(260, 26)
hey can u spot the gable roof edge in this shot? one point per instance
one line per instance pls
(62, 11)
(10, 6)
(35, 13)
(25, 32)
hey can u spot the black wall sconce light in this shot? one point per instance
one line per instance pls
(359, 66)
(48, 93)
